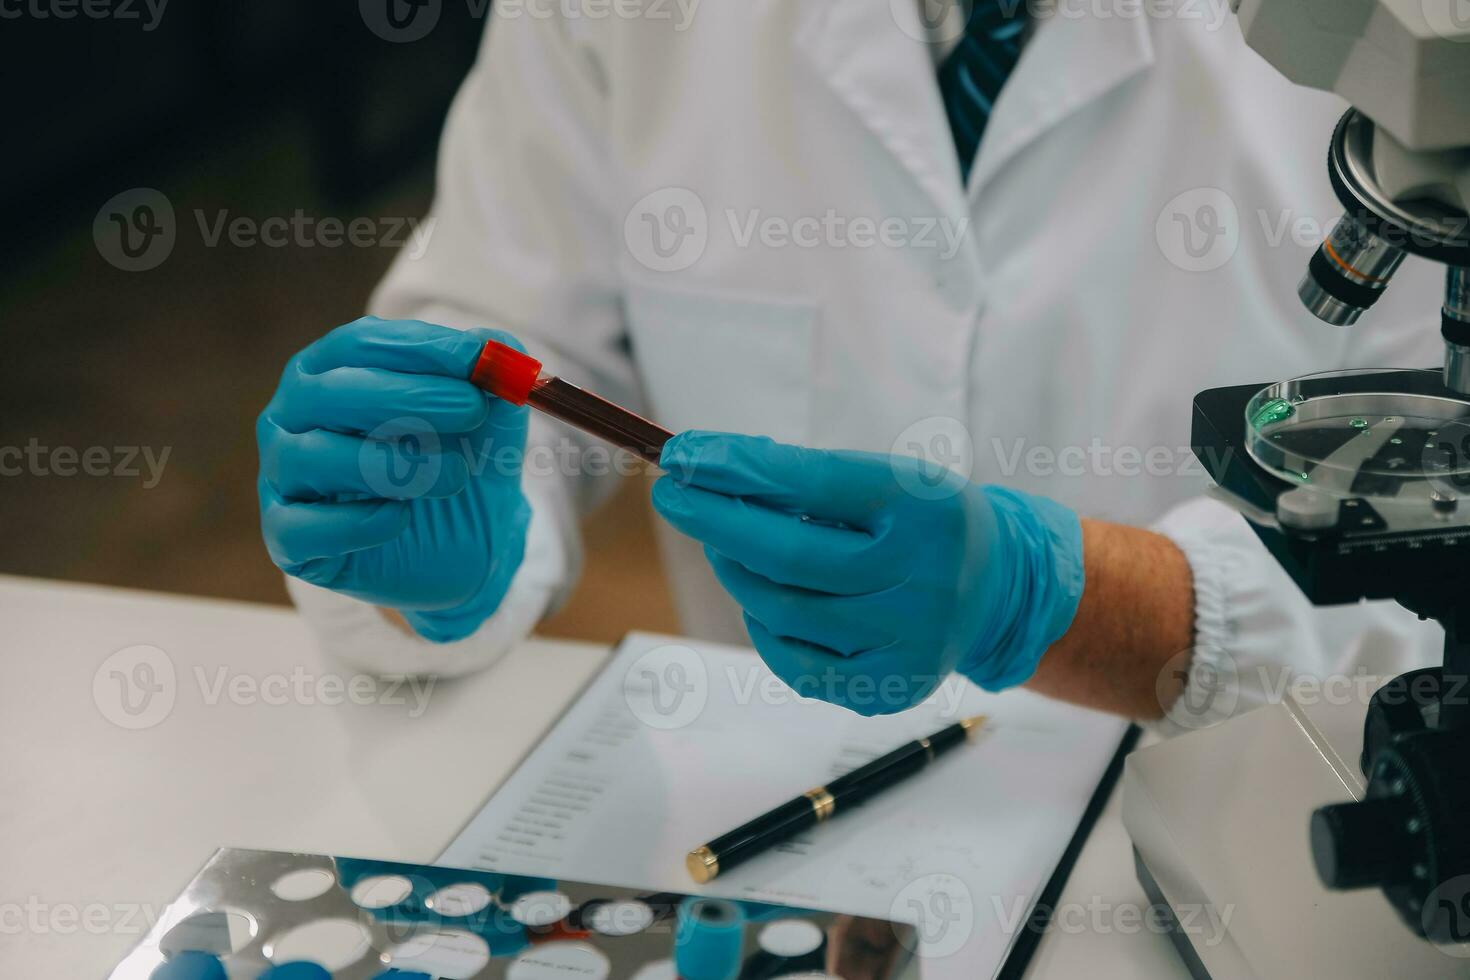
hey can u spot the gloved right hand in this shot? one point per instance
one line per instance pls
(866, 578)
(387, 476)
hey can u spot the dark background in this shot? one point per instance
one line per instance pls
(258, 109)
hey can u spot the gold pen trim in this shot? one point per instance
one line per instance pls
(928, 748)
(970, 725)
(822, 802)
(703, 864)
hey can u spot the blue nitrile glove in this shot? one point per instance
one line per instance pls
(387, 476)
(866, 579)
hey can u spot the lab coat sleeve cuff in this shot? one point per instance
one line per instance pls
(1211, 684)
(1259, 640)
(357, 634)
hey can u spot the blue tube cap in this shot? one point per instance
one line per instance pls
(708, 939)
(297, 970)
(191, 965)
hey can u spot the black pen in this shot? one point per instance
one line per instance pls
(820, 804)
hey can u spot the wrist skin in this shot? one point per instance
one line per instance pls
(395, 618)
(1136, 615)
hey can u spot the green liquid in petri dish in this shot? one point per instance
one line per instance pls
(1273, 411)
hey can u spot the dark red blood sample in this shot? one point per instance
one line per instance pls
(507, 373)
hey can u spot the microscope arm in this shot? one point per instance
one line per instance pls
(1399, 160)
(1403, 63)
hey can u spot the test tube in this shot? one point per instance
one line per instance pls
(517, 378)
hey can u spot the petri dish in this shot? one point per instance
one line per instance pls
(1378, 433)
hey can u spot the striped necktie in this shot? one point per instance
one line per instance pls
(971, 78)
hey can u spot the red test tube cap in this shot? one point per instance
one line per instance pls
(505, 372)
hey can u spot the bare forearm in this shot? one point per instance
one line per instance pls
(1136, 614)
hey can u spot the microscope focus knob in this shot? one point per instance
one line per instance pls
(1359, 845)
(1408, 835)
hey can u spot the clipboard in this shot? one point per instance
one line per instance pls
(675, 741)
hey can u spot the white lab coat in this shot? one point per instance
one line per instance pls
(1065, 336)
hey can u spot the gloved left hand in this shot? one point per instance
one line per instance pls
(867, 579)
(387, 476)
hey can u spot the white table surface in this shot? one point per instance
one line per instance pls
(101, 825)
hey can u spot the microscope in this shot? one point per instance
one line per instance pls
(1321, 860)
